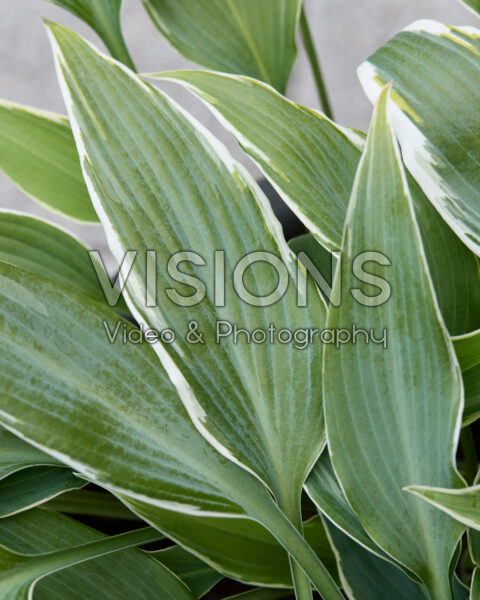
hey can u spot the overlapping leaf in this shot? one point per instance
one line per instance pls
(37, 152)
(110, 412)
(104, 17)
(323, 488)
(312, 162)
(257, 559)
(237, 36)
(461, 504)
(475, 590)
(47, 250)
(309, 252)
(28, 476)
(20, 572)
(471, 383)
(366, 576)
(393, 412)
(15, 455)
(467, 348)
(197, 575)
(122, 576)
(433, 116)
(33, 486)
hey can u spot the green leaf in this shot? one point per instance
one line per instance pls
(475, 590)
(257, 427)
(474, 545)
(15, 455)
(461, 504)
(453, 268)
(28, 476)
(474, 537)
(311, 161)
(471, 384)
(467, 348)
(460, 590)
(33, 486)
(104, 18)
(57, 409)
(309, 251)
(366, 576)
(20, 573)
(37, 152)
(40, 531)
(387, 407)
(237, 36)
(91, 503)
(100, 408)
(433, 116)
(49, 251)
(197, 575)
(257, 557)
(324, 489)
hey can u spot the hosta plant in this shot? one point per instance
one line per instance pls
(234, 409)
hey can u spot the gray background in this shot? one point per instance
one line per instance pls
(346, 32)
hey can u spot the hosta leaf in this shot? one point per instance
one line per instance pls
(471, 384)
(257, 558)
(475, 591)
(460, 590)
(104, 18)
(70, 383)
(196, 574)
(453, 268)
(29, 476)
(433, 116)
(20, 573)
(312, 163)
(474, 547)
(387, 408)
(323, 488)
(121, 576)
(324, 261)
(100, 409)
(325, 491)
(248, 400)
(91, 503)
(369, 577)
(15, 455)
(237, 36)
(32, 486)
(37, 152)
(467, 348)
(366, 576)
(45, 249)
(461, 504)
(309, 159)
